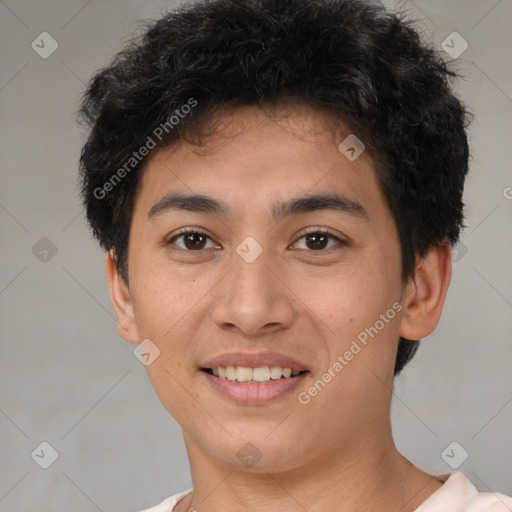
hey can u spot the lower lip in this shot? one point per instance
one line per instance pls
(254, 393)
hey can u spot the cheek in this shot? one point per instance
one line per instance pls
(347, 306)
(344, 299)
(163, 298)
(168, 305)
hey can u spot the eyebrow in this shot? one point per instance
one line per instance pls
(199, 203)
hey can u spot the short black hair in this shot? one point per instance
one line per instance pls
(353, 58)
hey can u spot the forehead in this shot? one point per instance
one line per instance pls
(254, 157)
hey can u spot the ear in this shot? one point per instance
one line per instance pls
(425, 293)
(121, 301)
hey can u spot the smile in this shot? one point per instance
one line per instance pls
(252, 375)
(253, 386)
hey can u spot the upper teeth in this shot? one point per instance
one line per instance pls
(260, 374)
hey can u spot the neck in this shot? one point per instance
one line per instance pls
(366, 476)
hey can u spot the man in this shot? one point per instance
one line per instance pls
(278, 185)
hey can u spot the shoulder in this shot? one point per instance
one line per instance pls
(168, 504)
(458, 494)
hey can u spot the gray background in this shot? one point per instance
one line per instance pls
(68, 379)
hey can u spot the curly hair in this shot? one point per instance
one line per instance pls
(352, 58)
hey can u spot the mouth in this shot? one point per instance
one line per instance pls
(253, 386)
(258, 375)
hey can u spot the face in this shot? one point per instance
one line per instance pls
(267, 279)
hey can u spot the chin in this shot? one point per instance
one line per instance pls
(258, 450)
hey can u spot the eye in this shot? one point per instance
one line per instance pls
(194, 240)
(318, 239)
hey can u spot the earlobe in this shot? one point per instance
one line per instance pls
(425, 293)
(121, 301)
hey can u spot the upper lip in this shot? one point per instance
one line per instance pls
(254, 360)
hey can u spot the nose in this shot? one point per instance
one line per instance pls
(253, 298)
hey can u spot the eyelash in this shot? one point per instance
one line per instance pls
(311, 231)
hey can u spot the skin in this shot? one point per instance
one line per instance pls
(304, 300)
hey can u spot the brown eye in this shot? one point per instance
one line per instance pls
(192, 240)
(317, 241)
